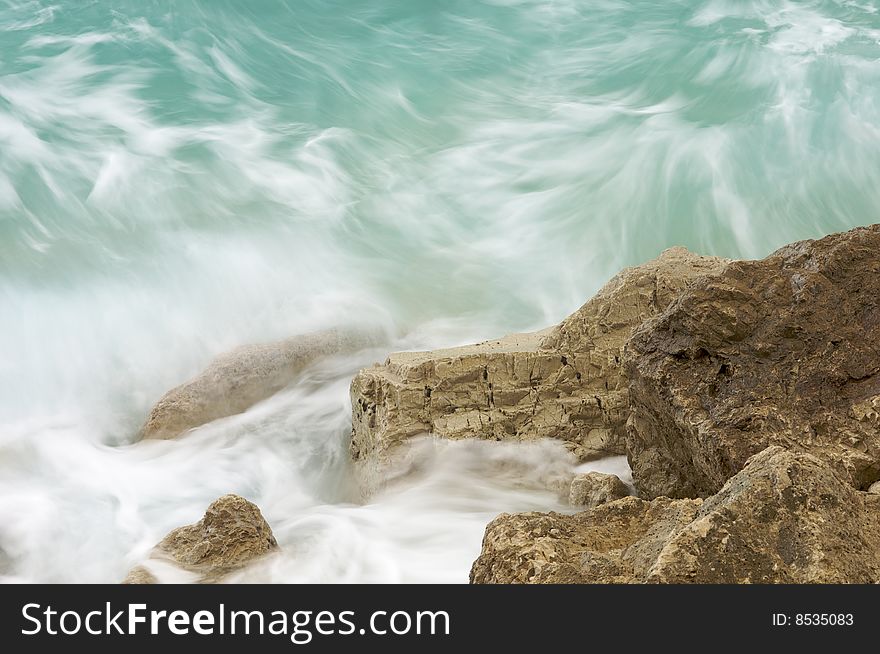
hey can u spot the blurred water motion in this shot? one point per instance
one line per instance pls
(176, 180)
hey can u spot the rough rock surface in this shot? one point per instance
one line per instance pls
(785, 518)
(562, 383)
(781, 351)
(140, 575)
(231, 534)
(594, 488)
(239, 379)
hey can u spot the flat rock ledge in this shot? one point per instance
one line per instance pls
(565, 382)
(785, 518)
(231, 535)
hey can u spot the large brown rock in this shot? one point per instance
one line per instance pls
(232, 534)
(781, 351)
(785, 518)
(237, 380)
(562, 383)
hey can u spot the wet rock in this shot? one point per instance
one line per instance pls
(232, 534)
(594, 488)
(785, 518)
(564, 382)
(239, 379)
(780, 351)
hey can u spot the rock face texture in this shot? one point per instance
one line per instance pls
(140, 575)
(231, 534)
(239, 379)
(781, 351)
(594, 488)
(564, 383)
(785, 518)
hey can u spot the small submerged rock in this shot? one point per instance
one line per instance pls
(140, 575)
(231, 535)
(237, 380)
(594, 488)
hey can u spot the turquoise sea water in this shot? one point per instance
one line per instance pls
(177, 178)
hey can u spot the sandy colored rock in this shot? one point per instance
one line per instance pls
(781, 351)
(232, 534)
(875, 488)
(236, 381)
(563, 382)
(594, 488)
(785, 518)
(615, 542)
(140, 575)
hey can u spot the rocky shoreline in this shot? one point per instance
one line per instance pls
(745, 395)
